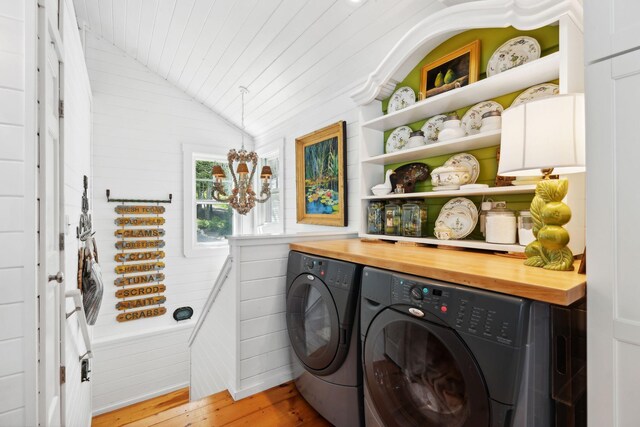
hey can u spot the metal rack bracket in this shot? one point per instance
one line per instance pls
(109, 199)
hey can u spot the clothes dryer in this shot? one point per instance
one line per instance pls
(322, 313)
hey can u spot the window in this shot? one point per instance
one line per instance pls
(214, 219)
(269, 215)
(206, 221)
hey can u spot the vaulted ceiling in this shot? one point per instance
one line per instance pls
(291, 54)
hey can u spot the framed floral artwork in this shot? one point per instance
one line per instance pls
(321, 176)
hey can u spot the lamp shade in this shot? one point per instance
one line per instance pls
(541, 134)
(217, 171)
(266, 172)
(242, 168)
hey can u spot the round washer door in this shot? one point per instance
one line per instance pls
(419, 373)
(313, 324)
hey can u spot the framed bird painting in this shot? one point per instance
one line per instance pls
(458, 68)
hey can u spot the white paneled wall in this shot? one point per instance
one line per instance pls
(339, 108)
(77, 163)
(242, 344)
(17, 214)
(140, 122)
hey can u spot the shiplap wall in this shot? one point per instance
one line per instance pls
(77, 163)
(140, 122)
(243, 344)
(17, 214)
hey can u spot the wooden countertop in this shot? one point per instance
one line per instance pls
(474, 269)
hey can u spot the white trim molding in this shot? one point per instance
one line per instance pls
(442, 25)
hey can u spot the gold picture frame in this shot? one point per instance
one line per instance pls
(321, 176)
(459, 68)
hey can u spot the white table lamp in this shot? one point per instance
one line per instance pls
(540, 137)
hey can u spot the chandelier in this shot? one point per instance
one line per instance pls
(242, 197)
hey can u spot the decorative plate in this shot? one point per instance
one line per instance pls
(398, 139)
(432, 128)
(461, 223)
(472, 119)
(461, 204)
(513, 53)
(469, 162)
(402, 98)
(536, 92)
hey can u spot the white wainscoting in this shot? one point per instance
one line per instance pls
(242, 344)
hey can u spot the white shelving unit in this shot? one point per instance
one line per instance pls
(373, 159)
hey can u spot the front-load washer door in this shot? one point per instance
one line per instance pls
(313, 324)
(421, 374)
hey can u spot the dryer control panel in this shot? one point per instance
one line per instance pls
(489, 315)
(334, 273)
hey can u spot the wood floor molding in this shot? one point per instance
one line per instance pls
(278, 406)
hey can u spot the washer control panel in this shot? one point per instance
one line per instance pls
(334, 273)
(492, 316)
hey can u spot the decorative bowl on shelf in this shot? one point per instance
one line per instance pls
(450, 176)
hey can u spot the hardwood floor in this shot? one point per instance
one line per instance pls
(279, 406)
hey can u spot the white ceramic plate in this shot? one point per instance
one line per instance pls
(398, 139)
(461, 223)
(536, 92)
(432, 128)
(513, 53)
(463, 204)
(402, 98)
(472, 119)
(469, 162)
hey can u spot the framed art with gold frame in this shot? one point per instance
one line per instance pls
(321, 176)
(459, 68)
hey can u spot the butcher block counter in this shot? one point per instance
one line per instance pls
(478, 270)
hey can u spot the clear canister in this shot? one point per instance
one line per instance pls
(525, 228)
(375, 218)
(501, 225)
(414, 219)
(392, 219)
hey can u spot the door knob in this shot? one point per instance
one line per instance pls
(58, 277)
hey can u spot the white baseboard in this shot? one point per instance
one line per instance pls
(141, 398)
(268, 383)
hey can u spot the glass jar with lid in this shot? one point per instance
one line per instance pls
(525, 228)
(501, 224)
(375, 217)
(392, 219)
(414, 219)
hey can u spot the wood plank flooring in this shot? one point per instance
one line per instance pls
(280, 406)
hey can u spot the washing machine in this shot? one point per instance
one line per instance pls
(439, 354)
(322, 313)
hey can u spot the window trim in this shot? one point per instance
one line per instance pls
(268, 150)
(191, 248)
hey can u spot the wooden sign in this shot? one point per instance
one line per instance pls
(138, 256)
(138, 292)
(140, 244)
(142, 232)
(139, 209)
(140, 221)
(135, 315)
(139, 268)
(137, 303)
(139, 280)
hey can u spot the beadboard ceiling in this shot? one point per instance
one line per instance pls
(291, 54)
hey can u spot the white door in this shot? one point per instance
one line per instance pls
(50, 180)
(612, 27)
(613, 203)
